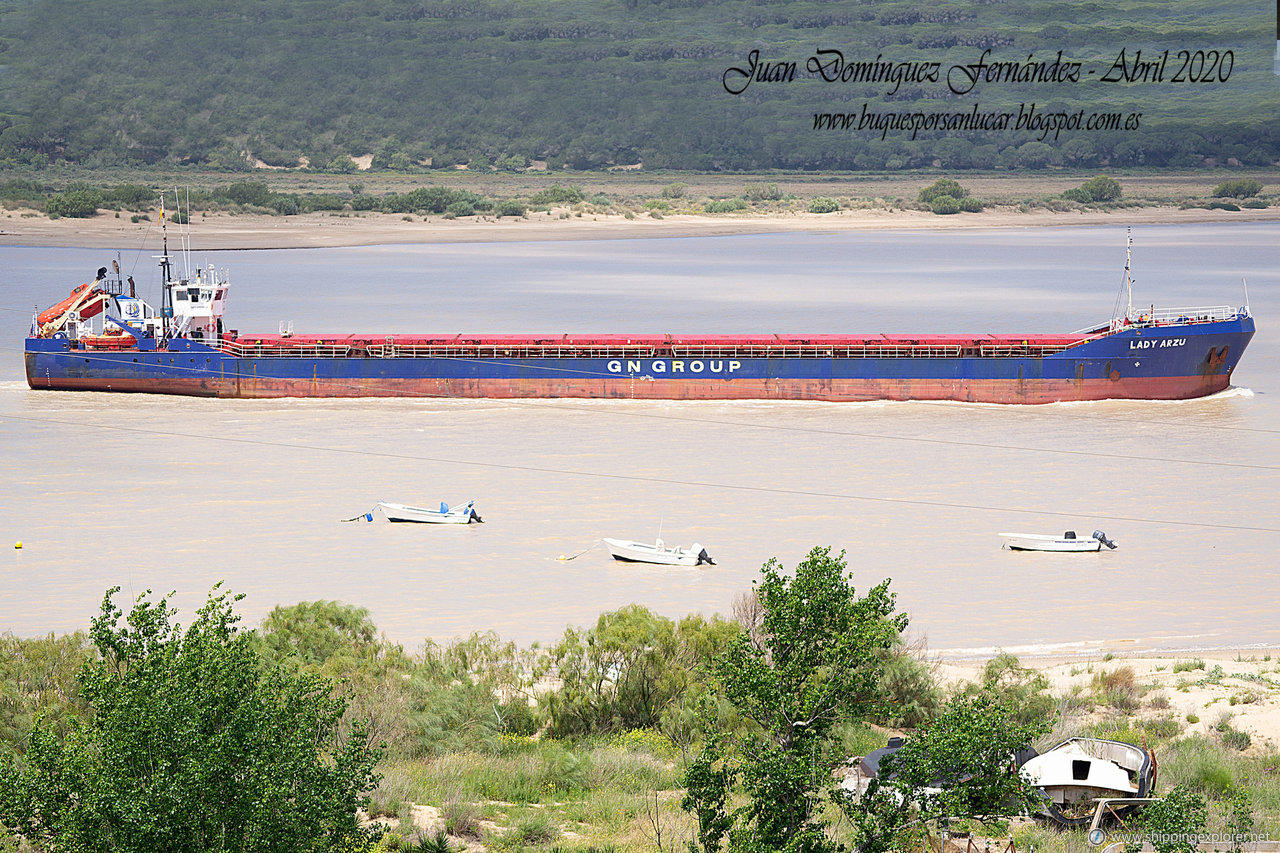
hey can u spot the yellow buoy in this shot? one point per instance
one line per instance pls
(17, 545)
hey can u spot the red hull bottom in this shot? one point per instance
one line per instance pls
(840, 391)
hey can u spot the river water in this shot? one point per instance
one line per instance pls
(177, 494)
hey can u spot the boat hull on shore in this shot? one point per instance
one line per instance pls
(1177, 360)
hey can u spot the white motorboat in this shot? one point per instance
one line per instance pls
(642, 552)
(421, 515)
(1066, 542)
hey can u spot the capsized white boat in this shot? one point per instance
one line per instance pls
(1078, 772)
(444, 515)
(642, 552)
(1066, 542)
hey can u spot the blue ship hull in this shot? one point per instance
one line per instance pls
(1168, 361)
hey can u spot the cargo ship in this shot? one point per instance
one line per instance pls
(102, 338)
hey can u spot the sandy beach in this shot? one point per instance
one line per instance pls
(1202, 687)
(332, 229)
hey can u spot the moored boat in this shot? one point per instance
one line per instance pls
(182, 348)
(659, 553)
(423, 515)
(1068, 541)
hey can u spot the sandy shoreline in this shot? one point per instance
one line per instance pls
(1196, 696)
(324, 230)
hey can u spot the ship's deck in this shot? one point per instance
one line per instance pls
(651, 346)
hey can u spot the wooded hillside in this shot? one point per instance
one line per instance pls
(590, 83)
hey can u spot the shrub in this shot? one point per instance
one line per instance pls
(728, 205)
(969, 204)
(822, 204)
(461, 819)
(556, 194)
(510, 207)
(1239, 188)
(913, 695)
(131, 196)
(1222, 205)
(1255, 204)
(1022, 690)
(285, 205)
(1102, 188)
(1171, 822)
(1232, 737)
(675, 190)
(77, 202)
(460, 208)
(944, 205)
(942, 187)
(255, 193)
(1188, 665)
(538, 828)
(1078, 194)
(762, 192)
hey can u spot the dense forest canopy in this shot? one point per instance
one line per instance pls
(590, 83)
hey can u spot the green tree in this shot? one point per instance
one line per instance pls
(1022, 690)
(38, 679)
(960, 765)
(817, 663)
(621, 674)
(465, 694)
(193, 744)
(339, 642)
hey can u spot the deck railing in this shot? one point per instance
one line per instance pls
(869, 349)
(1179, 316)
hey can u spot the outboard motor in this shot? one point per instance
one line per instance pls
(704, 558)
(1102, 537)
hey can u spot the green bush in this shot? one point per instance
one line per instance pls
(1078, 194)
(762, 192)
(969, 204)
(728, 205)
(78, 202)
(510, 207)
(944, 205)
(131, 197)
(1239, 188)
(1255, 204)
(461, 208)
(556, 194)
(942, 187)
(822, 204)
(1102, 188)
(255, 193)
(1222, 205)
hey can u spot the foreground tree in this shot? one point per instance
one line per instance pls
(816, 662)
(960, 765)
(192, 744)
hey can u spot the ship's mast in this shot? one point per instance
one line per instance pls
(1128, 276)
(166, 279)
